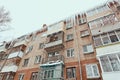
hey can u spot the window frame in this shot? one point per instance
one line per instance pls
(36, 74)
(37, 59)
(72, 72)
(71, 52)
(92, 69)
(88, 46)
(84, 34)
(71, 37)
(21, 76)
(24, 63)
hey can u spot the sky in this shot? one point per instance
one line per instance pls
(29, 15)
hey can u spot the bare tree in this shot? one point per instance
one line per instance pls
(4, 19)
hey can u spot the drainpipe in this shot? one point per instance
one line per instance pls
(80, 69)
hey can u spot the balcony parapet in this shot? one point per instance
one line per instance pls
(54, 59)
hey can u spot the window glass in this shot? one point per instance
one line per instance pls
(113, 37)
(105, 38)
(105, 64)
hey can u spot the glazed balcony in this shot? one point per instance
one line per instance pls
(17, 54)
(10, 68)
(54, 59)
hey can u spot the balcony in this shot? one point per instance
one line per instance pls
(104, 29)
(20, 42)
(55, 43)
(18, 54)
(98, 12)
(9, 68)
(54, 59)
(2, 48)
(108, 49)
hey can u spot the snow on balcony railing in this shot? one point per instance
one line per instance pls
(55, 28)
(11, 68)
(16, 54)
(2, 48)
(21, 41)
(53, 59)
(51, 44)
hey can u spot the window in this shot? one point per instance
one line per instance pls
(70, 52)
(87, 48)
(105, 38)
(84, 33)
(113, 37)
(26, 62)
(29, 49)
(34, 76)
(82, 19)
(110, 63)
(71, 72)
(92, 71)
(69, 37)
(69, 24)
(41, 45)
(37, 59)
(97, 40)
(21, 76)
(48, 74)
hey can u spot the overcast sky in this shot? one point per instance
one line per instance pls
(30, 15)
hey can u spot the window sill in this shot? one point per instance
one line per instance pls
(82, 23)
(68, 28)
(95, 77)
(85, 53)
(69, 40)
(84, 35)
(37, 63)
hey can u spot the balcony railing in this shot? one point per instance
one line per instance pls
(20, 42)
(9, 68)
(106, 28)
(15, 54)
(55, 43)
(53, 59)
(2, 48)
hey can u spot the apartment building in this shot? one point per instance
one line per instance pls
(84, 46)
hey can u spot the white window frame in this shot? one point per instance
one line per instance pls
(29, 49)
(85, 33)
(89, 48)
(37, 59)
(71, 53)
(116, 34)
(34, 74)
(69, 24)
(70, 37)
(109, 62)
(24, 64)
(21, 76)
(92, 69)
